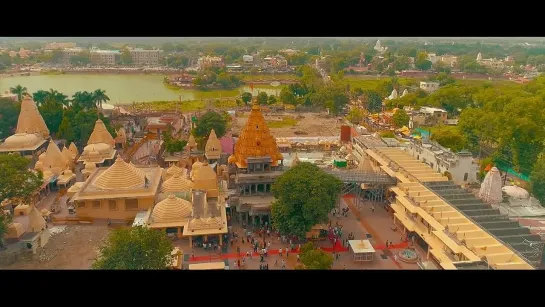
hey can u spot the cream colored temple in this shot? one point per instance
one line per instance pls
(458, 231)
(31, 135)
(186, 202)
(100, 148)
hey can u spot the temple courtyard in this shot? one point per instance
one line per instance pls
(75, 246)
(289, 124)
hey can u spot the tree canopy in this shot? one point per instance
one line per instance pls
(305, 195)
(19, 91)
(538, 180)
(400, 118)
(9, 112)
(17, 180)
(136, 248)
(356, 115)
(314, 258)
(208, 121)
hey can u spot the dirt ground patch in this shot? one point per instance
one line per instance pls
(74, 248)
(315, 124)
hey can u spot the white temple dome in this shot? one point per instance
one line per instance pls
(98, 147)
(21, 140)
(90, 166)
(171, 209)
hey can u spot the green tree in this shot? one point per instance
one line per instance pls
(246, 97)
(5, 221)
(40, 97)
(374, 102)
(423, 64)
(262, 98)
(537, 181)
(17, 179)
(99, 97)
(175, 146)
(80, 60)
(18, 90)
(287, 97)
(271, 100)
(126, 58)
(401, 118)
(9, 112)
(305, 195)
(356, 115)
(449, 138)
(65, 130)
(314, 258)
(137, 248)
(83, 100)
(208, 121)
(52, 113)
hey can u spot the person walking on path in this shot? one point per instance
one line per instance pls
(283, 263)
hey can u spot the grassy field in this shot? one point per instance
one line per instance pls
(372, 82)
(248, 77)
(186, 106)
(286, 122)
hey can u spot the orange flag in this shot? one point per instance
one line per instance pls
(252, 87)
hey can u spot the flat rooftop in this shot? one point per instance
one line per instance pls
(508, 232)
(420, 191)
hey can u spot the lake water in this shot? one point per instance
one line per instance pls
(122, 89)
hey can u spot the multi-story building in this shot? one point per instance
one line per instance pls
(460, 165)
(146, 57)
(210, 61)
(253, 168)
(449, 60)
(104, 57)
(427, 116)
(55, 46)
(276, 62)
(429, 86)
(490, 63)
(68, 53)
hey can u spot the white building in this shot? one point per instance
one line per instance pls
(9, 95)
(68, 53)
(433, 58)
(248, 59)
(427, 116)
(460, 165)
(429, 86)
(104, 57)
(142, 56)
(490, 63)
(379, 48)
(209, 61)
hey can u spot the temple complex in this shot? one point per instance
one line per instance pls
(31, 134)
(118, 192)
(100, 146)
(29, 229)
(212, 150)
(172, 215)
(253, 168)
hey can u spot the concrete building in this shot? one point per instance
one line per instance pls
(31, 133)
(428, 86)
(209, 61)
(9, 95)
(456, 231)
(253, 168)
(68, 53)
(449, 60)
(55, 46)
(427, 116)
(104, 57)
(490, 63)
(460, 165)
(248, 59)
(142, 56)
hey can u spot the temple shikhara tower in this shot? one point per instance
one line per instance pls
(31, 134)
(100, 147)
(253, 168)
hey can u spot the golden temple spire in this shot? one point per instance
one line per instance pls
(255, 140)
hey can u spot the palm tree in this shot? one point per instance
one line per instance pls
(40, 97)
(83, 99)
(63, 99)
(99, 96)
(19, 91)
